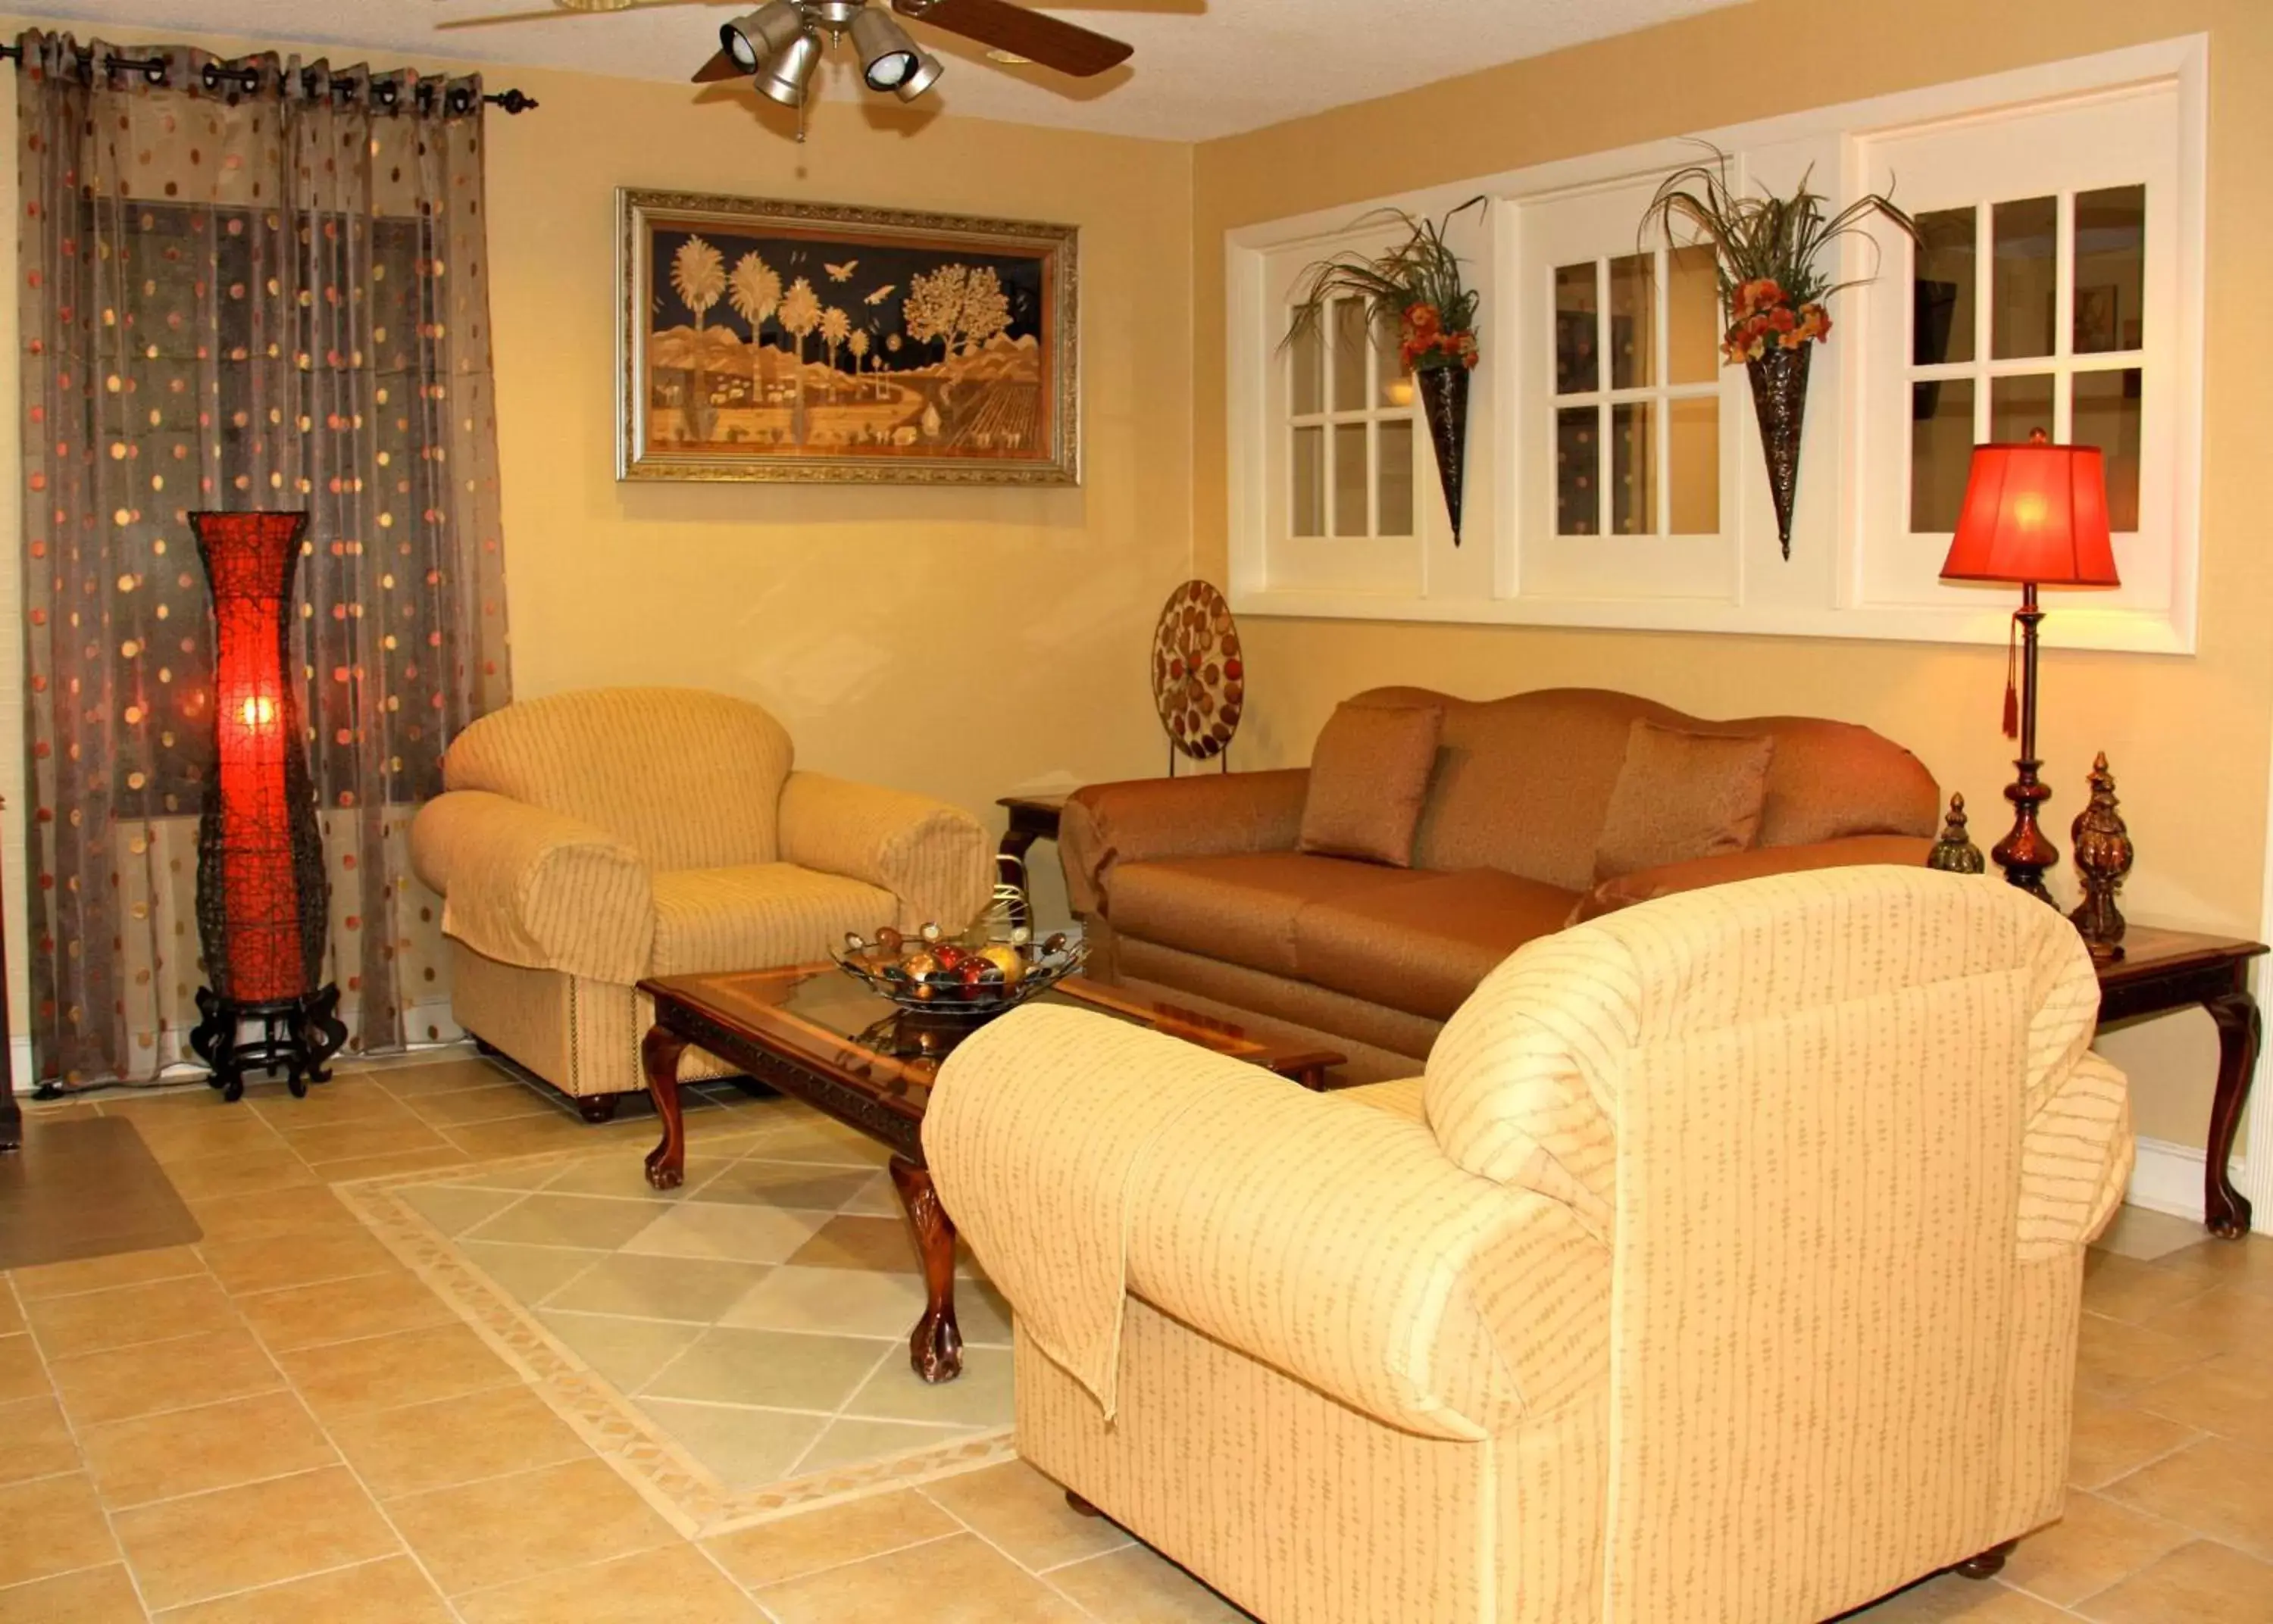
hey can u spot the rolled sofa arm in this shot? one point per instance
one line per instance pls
(1332, 1240)
(1204, 816)
(535, 888)
(1647, 883)
(933, 857)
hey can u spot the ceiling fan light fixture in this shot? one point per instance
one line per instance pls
(752, 38)
(921, 77)
(887, 54)
(786, 76)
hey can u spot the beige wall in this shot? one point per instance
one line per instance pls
(968, 643)
(2189, 737)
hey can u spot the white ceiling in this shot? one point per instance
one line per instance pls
(1203, 68)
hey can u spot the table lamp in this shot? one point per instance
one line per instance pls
(2034, 515)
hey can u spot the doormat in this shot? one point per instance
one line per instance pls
(85, 1189)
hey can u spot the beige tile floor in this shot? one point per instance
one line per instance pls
(279, 1423)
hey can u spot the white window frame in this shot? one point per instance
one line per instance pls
(2050, 156)
(1830, 587)
(1598, 223)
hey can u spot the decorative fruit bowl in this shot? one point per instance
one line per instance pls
(971, 975)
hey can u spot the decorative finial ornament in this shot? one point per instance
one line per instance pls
(1955, 853)
(2103, 858)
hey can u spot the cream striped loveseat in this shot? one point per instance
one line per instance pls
(1723, 1269)
(589, 839)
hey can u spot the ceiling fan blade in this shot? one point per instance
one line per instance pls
(721, 67)
(558, 12)
(1054, 44)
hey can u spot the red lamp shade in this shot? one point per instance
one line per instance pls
(2034, 513)
(261, 897)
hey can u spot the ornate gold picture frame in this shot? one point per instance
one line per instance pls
(762, 339)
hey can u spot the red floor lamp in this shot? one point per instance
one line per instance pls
(2034, 515)
(263, 903)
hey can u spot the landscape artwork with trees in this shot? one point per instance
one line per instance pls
(778, 340)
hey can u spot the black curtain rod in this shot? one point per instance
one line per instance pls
(384, 92)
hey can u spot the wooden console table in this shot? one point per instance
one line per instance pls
(1033, 817)
(2165, 970)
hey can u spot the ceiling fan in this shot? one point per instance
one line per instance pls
(778, 46)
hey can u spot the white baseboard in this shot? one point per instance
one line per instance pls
(2168, 1178)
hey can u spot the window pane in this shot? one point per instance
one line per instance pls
(1634, 469)
(1390, 386)
(1309, 481)
(1941, 453)
(2020, 408)
(1693, 432)
(1307, 385)
(1575, 368)
(1577, 504)
(1692, 319)
(2107, 409)
(1394, 492)
(2027, 266)
(1634, 321)
(1353, 481)
(1941, 290)
(1349, 347)
(2110, 267)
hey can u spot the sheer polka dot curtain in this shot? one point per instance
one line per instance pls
(250, 299)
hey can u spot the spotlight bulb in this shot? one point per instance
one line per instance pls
(752, 38)
(887, 54)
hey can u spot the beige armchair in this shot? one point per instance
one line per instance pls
(1725, 1266)
(589, 839)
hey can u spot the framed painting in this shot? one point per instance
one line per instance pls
(774, 340)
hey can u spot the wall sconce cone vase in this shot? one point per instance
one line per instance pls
(1779, 398)
(1444, 403)
(263, 901)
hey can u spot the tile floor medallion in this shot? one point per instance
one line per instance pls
(737, 1347)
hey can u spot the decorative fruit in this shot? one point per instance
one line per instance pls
(973, 974)
(920, 967)
(950, 957)
(890, 940)
(1006, 963)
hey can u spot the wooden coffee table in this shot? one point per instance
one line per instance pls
(815, 1033)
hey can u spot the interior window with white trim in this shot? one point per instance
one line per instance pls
(1637, 395)
(2042, 296)
(1350, 426)
(2028, 316)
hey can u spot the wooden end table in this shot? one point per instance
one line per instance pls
(1033, 817)
(815, 1033)
(2165, 970)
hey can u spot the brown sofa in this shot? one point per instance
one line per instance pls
(1195, 884)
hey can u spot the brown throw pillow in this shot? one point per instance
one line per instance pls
(1682, 796)
(1368, 780)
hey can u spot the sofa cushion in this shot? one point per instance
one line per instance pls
(761, 916)
(1239, 908)
(1682, 796)
(1369, 779)
(1522, 782)
(1422, 947)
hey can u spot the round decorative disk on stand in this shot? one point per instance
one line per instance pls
(1199, 673)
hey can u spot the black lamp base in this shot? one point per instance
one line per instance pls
(296, 1037)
